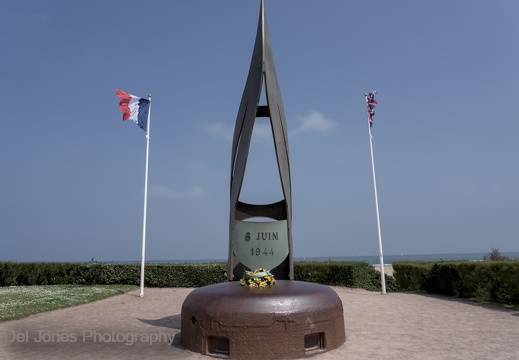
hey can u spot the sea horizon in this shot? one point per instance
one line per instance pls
(370, 259)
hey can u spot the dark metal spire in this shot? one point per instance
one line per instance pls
(261, 70)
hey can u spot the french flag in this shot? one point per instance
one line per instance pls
(134, 108)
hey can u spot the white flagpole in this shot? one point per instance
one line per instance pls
(381, 254)
(145, 198)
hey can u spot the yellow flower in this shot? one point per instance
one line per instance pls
(257, 278)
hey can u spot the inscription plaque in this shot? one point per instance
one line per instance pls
(261, 244)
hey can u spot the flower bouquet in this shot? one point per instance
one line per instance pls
(257, 278)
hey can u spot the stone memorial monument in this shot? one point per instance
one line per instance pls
(260, 244)
(289, 319)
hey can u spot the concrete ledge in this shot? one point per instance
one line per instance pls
(388, 269)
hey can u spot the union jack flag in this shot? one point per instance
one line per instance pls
(371, 104)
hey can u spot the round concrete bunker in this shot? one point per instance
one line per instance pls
(289, 320)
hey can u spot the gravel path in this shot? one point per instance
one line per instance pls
(391, 326)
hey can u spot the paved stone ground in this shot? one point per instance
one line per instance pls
(391, 326)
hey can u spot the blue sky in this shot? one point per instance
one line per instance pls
(446, 153)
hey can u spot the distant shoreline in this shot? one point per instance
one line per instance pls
(370, 259)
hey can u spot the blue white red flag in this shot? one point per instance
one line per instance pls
(371, 104)
(134, 108)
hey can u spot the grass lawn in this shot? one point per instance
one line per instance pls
(21, 301)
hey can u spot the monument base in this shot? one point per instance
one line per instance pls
(290, 320)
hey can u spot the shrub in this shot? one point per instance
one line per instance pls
(495, 255)
(349, 274)
(342, 273)
(411, 276)
(488, 281)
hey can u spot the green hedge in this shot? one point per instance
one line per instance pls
(349, 274)
(342, 273)
(156, 275)
(490, 281)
